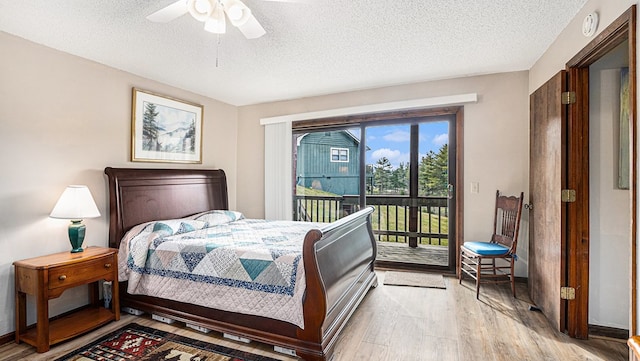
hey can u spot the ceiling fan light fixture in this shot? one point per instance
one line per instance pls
(237, 12)
(234, 12)
(201, 10)
(252, 28)
(216, 23)
(213, 14)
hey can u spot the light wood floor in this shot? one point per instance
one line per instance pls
(408, 323)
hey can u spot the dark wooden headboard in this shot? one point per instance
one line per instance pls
(142, 195)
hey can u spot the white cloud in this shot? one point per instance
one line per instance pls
(395, 156)
(398, 136)
(385, 152)
(441, 139)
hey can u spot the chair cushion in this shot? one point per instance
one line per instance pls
(486, 248)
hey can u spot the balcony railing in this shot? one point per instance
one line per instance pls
(390, 220)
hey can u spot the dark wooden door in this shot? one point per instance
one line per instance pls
(547, 218)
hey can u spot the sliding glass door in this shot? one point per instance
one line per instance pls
(401, 168)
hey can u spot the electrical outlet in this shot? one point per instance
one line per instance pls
(475, 187)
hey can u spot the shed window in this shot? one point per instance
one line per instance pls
(339, 154)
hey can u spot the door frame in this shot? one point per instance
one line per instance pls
(623, 28)
(399, 115)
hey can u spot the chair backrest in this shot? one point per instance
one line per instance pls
(507, 220)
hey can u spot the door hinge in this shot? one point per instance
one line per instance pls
(567, 293)
(568, 195)
(568, 97)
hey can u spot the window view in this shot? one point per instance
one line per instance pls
(388, 159)
(406, 180)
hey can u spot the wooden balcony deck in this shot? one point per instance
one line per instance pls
(423, 254)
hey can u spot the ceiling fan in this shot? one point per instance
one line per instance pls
(212, 13)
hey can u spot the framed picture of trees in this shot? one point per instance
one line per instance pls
(165, 129)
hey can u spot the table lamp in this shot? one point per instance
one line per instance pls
(75, 204)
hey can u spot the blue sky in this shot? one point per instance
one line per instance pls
(392, 141)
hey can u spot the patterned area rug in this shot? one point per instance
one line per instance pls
(414, 279)
(135, 342)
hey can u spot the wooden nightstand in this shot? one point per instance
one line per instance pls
(47, 277)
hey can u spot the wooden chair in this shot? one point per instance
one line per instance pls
(478, 259)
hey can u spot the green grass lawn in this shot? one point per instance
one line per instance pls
(384, 218)
(302, 191)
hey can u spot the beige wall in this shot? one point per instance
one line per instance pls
(63, 119)
(571, 40)
(496, 142)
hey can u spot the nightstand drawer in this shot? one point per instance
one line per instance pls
(80, 273)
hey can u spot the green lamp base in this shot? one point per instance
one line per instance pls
(76, 235)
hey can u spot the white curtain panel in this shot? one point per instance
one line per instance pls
(278, 200)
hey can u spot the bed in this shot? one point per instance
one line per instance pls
(338, 261)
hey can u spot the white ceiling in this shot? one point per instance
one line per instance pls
(312, 47)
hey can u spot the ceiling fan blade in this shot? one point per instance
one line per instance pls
(170, 12)
(252, 28)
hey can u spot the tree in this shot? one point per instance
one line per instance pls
(442, 170)
(382, 175)
(190, 137)
(150, 128)
(400, 178)
(369, 171)
(433, 174)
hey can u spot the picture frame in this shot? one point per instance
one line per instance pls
(165, 129)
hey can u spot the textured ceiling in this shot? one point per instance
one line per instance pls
(312, 47)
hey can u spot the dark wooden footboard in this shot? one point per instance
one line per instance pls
(339, 271)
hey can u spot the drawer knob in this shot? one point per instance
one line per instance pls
(107, 265)
(62, 277)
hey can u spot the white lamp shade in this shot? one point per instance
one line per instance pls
(75, 202)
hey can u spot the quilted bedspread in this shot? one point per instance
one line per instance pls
(222, 260)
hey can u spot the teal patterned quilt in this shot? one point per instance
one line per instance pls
(222, 260)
